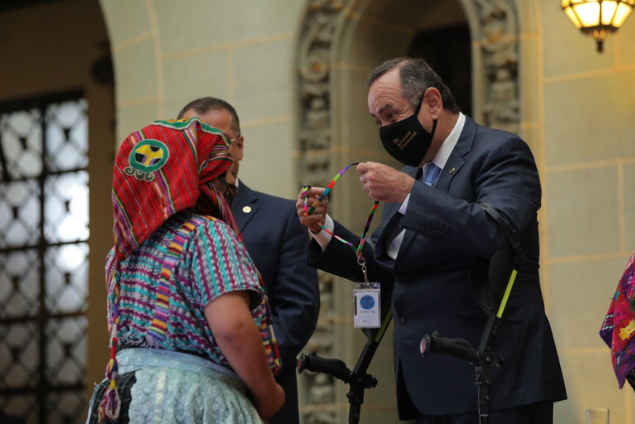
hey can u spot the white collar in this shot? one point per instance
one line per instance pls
(444, 152)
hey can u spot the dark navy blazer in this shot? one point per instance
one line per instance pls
(446, 229)
(277, 243)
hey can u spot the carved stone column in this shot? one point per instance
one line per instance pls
(315, 146)
(498, 39)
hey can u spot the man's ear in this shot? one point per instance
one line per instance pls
(239, 147)
(432, 98)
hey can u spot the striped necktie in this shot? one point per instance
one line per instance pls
(430, 174)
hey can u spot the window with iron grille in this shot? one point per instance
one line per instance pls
(43, 257)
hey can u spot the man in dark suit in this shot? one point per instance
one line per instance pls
(277, 244)
(433, 227)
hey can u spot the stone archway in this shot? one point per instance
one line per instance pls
(339, 43)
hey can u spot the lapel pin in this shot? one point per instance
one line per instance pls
(452, 170)
(246, 209)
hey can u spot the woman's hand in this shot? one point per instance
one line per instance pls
(270, 403)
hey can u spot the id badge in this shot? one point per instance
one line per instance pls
(366, 303)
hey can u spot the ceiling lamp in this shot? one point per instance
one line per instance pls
(598, 17)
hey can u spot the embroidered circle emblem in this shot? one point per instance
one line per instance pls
(367, 302)
(145, 158)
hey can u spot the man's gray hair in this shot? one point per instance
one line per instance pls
(416, 77)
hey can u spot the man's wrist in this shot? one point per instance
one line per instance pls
(323, 237)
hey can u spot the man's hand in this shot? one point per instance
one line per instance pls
(384, 183)
(314, 221)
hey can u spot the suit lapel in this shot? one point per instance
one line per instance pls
(450, 170)
(408, 236)
(392, 219)
(390, 229)
(455, 161)
(245, 206)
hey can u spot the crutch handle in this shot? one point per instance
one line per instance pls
(334, 367)
(460, 348)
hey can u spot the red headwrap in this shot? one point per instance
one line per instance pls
(161, 170)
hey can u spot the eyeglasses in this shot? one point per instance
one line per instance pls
(231, 140)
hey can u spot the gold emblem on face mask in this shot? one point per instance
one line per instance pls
(402, 143)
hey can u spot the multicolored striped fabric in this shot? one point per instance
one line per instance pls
(162, 304)
(160, 170)
(618, 327)
(214, 261)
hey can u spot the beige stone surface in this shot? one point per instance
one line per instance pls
(372, 43)
(263, 78)
(530, 97)
(136, 72)
(134, 117)
(199, 24)
(588, 119)
(580, 294)
(126, 20)
(356, 132)
(582, 215)
(269, 155)
(627, 186)
(624, 46)
(193, 76)
(591, 383)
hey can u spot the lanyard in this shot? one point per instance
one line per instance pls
(309, 210)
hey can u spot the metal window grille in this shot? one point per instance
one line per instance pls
(43, 257)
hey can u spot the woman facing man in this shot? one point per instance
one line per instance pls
(190, 323)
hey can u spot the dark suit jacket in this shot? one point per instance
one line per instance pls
(446, 229)
(277, 243)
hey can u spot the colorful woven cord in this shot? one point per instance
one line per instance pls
(309, 210)
(326, 191)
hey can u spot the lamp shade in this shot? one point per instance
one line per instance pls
(598, 18)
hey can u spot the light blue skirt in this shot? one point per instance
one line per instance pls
(173, 387)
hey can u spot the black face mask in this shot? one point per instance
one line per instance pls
(230, 192)
(407, 141)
